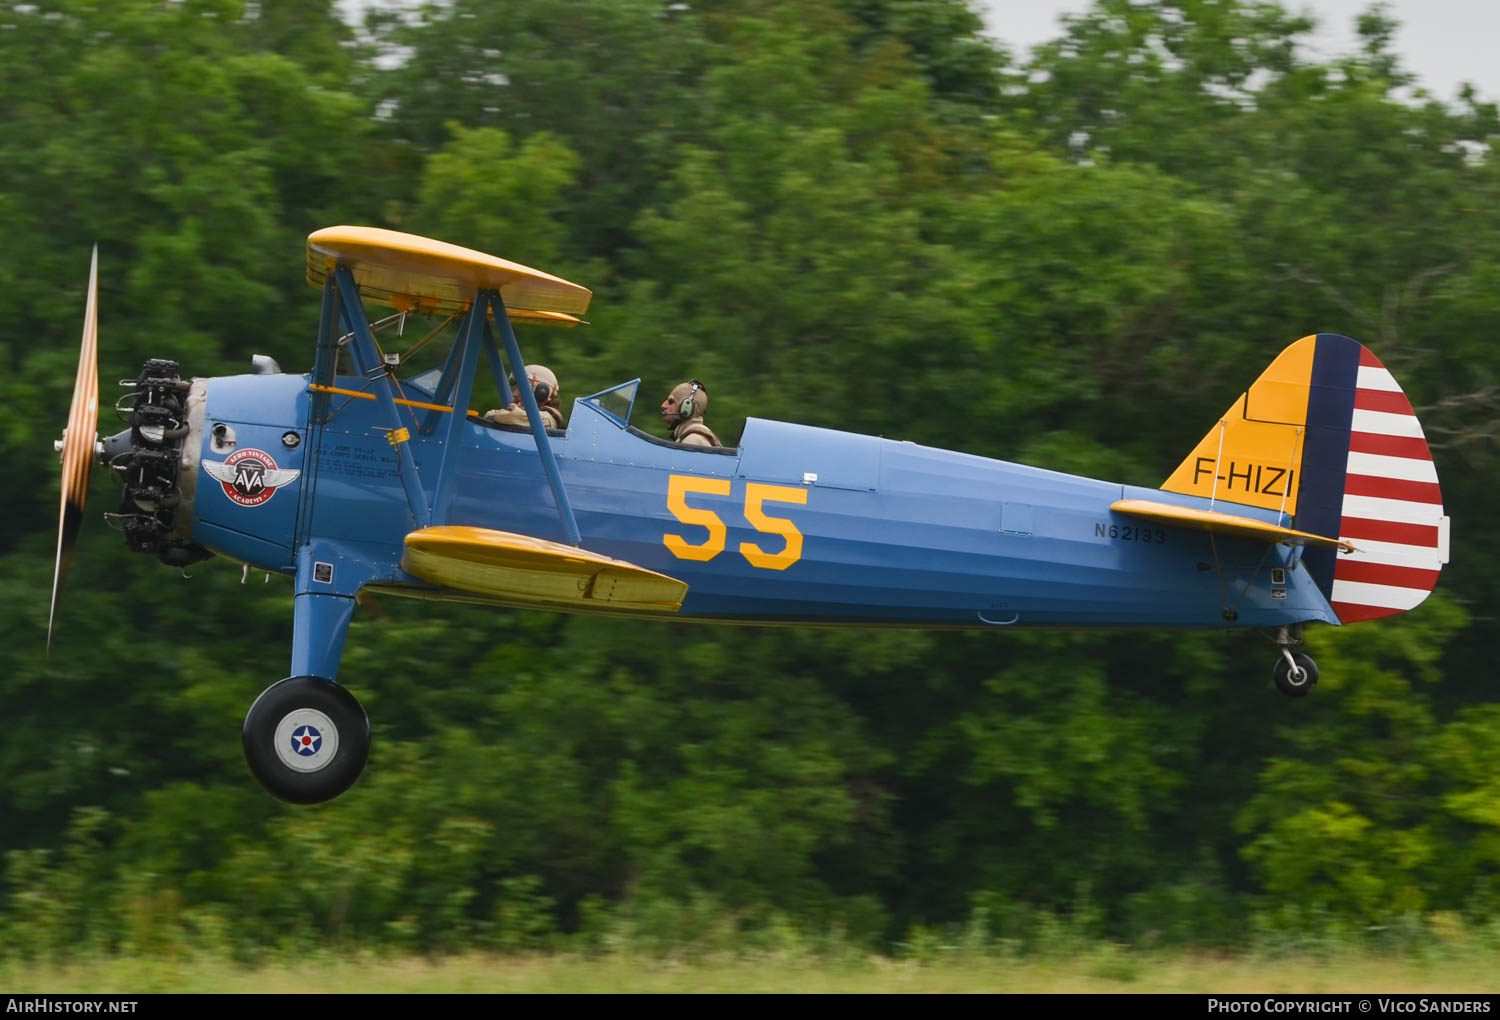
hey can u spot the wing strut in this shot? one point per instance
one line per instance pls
(533, 414)
(458, 377)
(444, 392)
(496, 368)
(466, 355)
(368, 363)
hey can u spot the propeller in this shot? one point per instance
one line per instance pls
(77, 443)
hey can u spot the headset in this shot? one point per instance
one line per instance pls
(541, 390)
(688, 406)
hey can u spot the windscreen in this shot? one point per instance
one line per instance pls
(617, 401)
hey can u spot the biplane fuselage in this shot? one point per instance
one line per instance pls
(861, 530)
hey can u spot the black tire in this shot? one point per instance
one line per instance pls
(1299, 683)
(323, 749)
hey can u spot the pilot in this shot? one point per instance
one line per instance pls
(683, 410)
(544, 386)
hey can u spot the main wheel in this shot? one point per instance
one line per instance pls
(1296, 683)
(306, 739)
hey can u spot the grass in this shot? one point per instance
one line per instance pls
(1105, 969)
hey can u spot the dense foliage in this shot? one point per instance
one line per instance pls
(853, 213)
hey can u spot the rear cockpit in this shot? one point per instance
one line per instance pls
(616, 405)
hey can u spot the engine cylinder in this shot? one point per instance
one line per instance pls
(147, 458)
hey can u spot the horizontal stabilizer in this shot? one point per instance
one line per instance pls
(522, 569)
(1212, 520)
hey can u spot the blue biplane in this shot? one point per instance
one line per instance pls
(1313, 499)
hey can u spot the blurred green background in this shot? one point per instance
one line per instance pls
(856, 214)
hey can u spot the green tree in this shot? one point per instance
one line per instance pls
(1350, 825)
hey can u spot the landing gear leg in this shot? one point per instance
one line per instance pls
(307, 738)
(1295, 673)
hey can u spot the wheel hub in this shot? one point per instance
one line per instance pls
(306, 740)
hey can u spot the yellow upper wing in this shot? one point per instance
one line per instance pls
(412, 273)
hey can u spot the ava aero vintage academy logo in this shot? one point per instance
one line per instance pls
(249, 477)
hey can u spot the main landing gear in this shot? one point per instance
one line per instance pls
(1295, 673)
(306, 739)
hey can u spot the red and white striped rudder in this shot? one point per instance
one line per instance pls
(1392, 506)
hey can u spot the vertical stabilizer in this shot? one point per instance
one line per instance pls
(1326, 438)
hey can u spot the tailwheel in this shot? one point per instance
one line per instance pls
(306, 739)
(1296, 674)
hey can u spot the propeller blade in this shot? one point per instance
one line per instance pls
(78, 442)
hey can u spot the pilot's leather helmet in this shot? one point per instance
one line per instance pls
(543, 384)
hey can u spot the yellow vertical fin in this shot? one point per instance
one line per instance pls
(1253, 454)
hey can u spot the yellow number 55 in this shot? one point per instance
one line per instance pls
(756, 496)
(677, 490)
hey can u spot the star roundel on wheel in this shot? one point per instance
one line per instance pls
(250, 477)
(307, 741)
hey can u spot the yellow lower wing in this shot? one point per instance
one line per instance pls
(1212, 520)
(519, 568)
